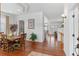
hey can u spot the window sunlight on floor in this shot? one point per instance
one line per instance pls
(51, 42)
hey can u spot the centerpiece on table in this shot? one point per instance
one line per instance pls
(13, 29)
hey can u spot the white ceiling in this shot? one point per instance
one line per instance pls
(50, 10)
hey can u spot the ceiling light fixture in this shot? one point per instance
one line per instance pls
(63, 16)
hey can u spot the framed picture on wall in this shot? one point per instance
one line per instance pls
(31, 23)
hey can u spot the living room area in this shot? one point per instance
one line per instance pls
(38, 29)
(21, 32)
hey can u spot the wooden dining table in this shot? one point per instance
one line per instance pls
(8, 42)
(13, 40)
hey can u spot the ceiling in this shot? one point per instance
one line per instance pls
(50, 10)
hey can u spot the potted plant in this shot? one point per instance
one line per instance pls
(33, 37)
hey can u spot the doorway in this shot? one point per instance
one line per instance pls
(21, 26)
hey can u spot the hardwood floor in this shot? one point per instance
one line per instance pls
(35, 46)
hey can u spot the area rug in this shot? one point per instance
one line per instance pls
(34, 53)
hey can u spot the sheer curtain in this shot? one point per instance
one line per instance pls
(3, 23)
(0, 23)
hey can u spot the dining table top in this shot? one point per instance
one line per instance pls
(13, 38)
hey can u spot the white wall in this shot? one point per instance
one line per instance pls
(58, 31)
(76, 12)
(69, 30)
(66, 37)
(45, 23)
(73, 29)
(39, 22)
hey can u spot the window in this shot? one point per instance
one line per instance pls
(2, 23)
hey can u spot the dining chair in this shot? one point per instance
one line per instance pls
(22, 40)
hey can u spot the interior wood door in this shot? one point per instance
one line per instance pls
(21, 26)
